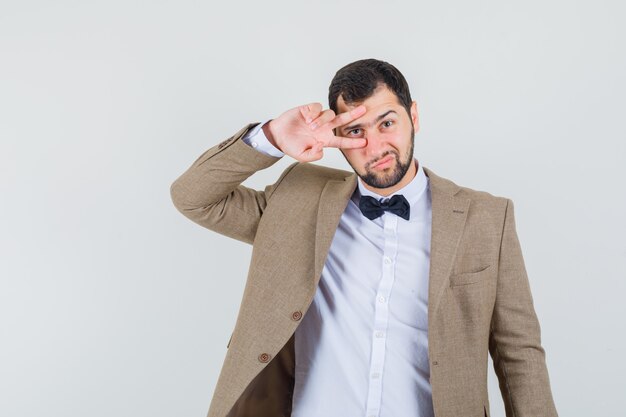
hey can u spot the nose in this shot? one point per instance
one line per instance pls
(376, 145)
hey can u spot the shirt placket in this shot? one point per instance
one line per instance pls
(381, 314)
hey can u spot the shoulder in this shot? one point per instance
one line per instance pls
(479, 198)
(312, 172)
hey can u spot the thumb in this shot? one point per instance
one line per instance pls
(314, 153)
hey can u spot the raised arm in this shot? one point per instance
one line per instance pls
(210, 193)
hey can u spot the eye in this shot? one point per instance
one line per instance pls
(388, 121)
(353, 130)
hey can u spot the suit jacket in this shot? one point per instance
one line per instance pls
(479, 296)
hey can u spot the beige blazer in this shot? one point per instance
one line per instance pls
(479, 296)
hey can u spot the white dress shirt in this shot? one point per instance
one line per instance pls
(362, 346)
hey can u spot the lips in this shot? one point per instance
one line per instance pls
(383, 161)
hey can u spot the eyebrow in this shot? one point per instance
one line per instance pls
(358, 125)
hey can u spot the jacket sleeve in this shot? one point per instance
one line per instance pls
(515, 341)
(210, 193)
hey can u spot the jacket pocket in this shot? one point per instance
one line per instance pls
(470, 277)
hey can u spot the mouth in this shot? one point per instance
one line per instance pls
(384, 163)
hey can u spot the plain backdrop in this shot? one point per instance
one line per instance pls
(107, 305)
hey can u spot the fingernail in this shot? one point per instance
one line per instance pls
(308, 120)
(313, 126)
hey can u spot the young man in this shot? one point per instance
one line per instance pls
(378, 292)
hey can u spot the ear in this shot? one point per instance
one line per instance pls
(415, 116)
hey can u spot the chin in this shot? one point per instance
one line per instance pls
(383, 178)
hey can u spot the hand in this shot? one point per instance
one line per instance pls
(304, 131)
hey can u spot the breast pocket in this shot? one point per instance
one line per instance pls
(471, 277)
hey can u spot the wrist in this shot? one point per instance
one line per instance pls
(268, 134)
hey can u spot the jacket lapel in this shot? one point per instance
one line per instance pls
(333, 202)
(449, 213)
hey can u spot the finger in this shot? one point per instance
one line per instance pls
(346, 117)
(310, 111)
(325, 117)
(314, 153)
(346, 143)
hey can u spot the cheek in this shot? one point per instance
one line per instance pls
(355, 156)
(399, 142)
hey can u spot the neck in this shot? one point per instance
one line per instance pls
(410, 174)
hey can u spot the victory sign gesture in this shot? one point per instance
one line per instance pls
(304, 131)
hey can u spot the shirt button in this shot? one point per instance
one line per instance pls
(296, 315)
(381, 299)
(380, 334)
(254, 144)
(264, 357)
(387, 260)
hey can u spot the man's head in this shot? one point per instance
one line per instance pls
(389, 123)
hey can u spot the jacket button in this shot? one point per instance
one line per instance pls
(264, 357)
(296, 315)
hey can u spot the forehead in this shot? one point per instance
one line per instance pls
(382, 98)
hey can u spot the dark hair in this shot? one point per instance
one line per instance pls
(357, 81)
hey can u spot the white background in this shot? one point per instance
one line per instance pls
(114, 304)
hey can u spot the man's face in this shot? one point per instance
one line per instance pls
(388, 154)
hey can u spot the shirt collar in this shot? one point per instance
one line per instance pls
(413, 191)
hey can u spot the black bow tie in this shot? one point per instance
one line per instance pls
(372, 208)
